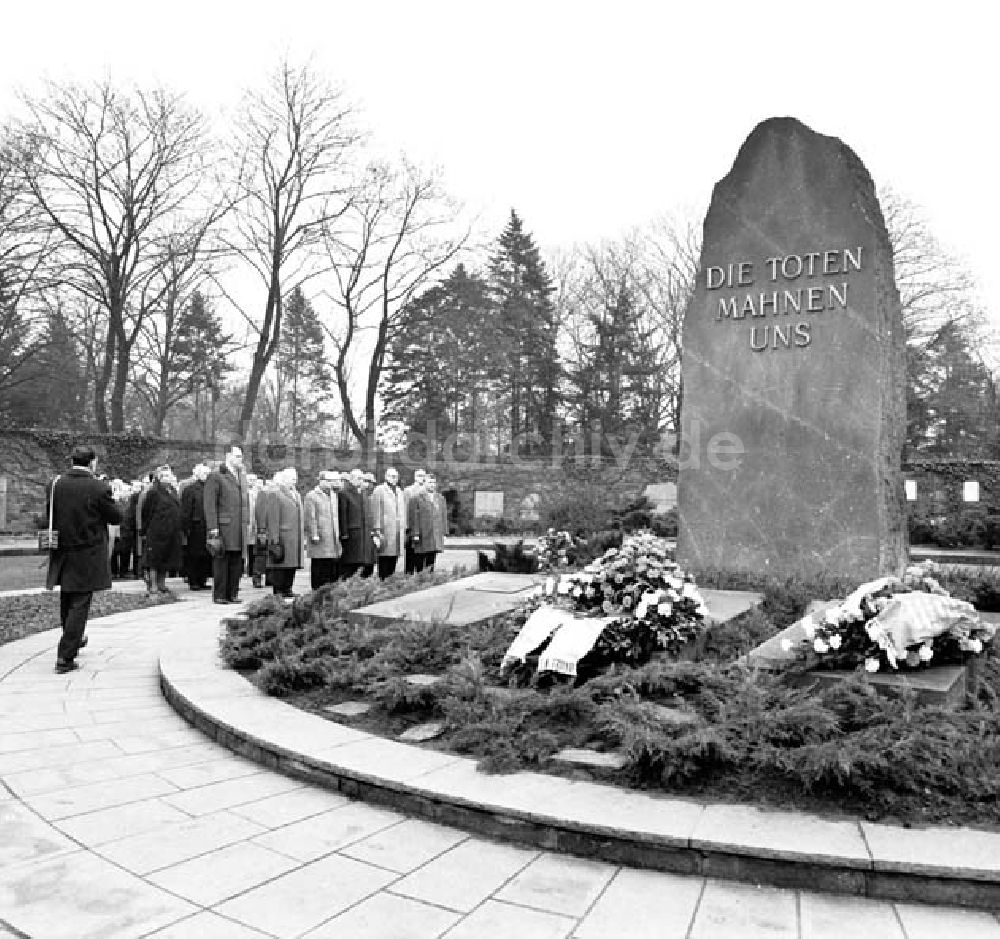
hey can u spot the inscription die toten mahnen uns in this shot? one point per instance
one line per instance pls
(799, 284)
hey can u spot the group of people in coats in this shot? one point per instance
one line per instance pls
(223, 522)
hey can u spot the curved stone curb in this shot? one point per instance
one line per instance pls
(958, 866)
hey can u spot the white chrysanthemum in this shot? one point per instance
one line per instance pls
(664, 609)
(820, 646)
(871, 665)
(976, 646)
(786, 645)
(926, 653)
(835, 641)
(564, 586)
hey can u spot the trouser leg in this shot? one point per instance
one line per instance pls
(233, 574)
(74, 608)
(387, 566)
(220, 578)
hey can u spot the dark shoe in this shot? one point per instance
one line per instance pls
(63, 667)
(83, 642)
(223, 601)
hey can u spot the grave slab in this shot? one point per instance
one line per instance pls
(421, 732)
(940, 685)
(460, 602)
(589, 759)
(349, 708)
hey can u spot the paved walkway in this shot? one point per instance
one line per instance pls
(120, 820)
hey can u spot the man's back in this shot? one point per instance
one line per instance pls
(83, 508)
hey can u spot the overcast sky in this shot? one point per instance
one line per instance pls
(588, 118)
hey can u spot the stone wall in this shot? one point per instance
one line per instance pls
(30, 459)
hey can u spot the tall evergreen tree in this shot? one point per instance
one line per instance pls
(304, 376)
(614, 380)
(952, 406)
(442, 357)
(521, 291)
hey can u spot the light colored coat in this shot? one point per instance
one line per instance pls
(321, 522)
(389, 519)
(283, 523)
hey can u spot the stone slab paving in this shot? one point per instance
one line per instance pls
(119, 821)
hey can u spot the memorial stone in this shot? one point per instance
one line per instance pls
(793, 368)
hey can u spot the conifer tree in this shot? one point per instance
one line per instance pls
(304, 376)
(521, 292)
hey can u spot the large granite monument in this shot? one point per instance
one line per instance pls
(794, 404)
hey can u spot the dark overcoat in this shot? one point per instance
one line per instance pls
(193, 516)
(283, 521)
(351, 518)
(427, 520)
(83, 507)
(227, 507)
(161, 513)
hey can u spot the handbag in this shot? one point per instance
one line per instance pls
(49, 540)
(215, 546)
(276, 552)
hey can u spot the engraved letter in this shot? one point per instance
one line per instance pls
(753, 338)
(815, 304)
(787, 269)
(853, 259)
(830, 262)
(746, 274)
(841, 296)
(812, 255)
(710, 282)
(802, 332)
(794, 300)
(782, 334)
(748, 307)
(773, 262)
(769, 300)
(728, 308)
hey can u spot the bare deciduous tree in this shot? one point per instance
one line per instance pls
(109, 170)
(397, 235)
(293, 180)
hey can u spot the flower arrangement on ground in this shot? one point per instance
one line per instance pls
(622, 607)
(893, 623)
(555, 549)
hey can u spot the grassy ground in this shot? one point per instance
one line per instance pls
(28, 614)
(20, 572)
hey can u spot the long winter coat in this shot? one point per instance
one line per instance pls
(322, 522)
(283, 524)
(427, 519)
(389, 519)
(227, 507)
(83, 509)
(351, 516)
(161, 514)
(193, 525)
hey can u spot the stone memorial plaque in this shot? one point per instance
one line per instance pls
(488, 504)
(793, 369)
(663, 496)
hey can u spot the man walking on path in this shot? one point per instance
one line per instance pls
(227, 514)
(82, 507)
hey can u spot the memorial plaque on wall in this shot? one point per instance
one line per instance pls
(488, 504)
(793, 369)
